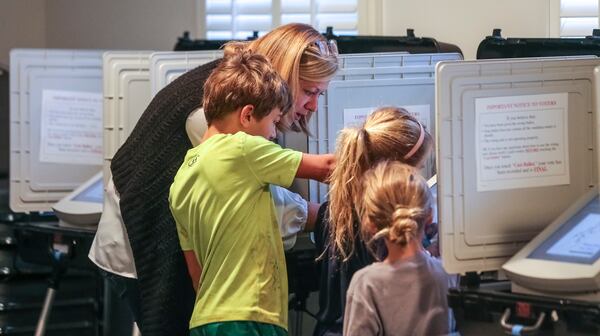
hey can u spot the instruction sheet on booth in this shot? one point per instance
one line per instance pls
(71, 127)
(521, 141)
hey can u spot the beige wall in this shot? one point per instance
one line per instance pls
(22, 25)
(117, 24)
(93, 24)
(467, 22)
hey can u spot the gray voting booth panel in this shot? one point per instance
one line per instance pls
(126, 78)
(365, 82)
(36, 184)
(166, 66)
(492, 115)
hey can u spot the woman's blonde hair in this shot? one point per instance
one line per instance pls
(389, 133)
(296, 52)
(396, 204)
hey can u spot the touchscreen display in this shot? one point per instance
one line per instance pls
(582, 241)
(577, 240)
(92, 194)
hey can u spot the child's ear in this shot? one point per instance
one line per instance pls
(246, 115)
(429, 218)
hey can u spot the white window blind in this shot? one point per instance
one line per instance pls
(237, 19)
(578, 17)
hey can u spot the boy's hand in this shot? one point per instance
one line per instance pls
(316, 167)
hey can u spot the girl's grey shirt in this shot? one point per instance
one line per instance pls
(408, 297)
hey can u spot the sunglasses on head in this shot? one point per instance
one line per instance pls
(327, 48)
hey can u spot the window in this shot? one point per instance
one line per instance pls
(237, 19)
(578, 17)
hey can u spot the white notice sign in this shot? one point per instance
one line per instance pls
(355, 117)
(521, 141)
(71, 127)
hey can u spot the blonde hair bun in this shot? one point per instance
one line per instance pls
(404, 225)
(396, 204)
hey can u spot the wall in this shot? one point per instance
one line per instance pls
(467, 22)
(22, 25)
(155, 24)
(114, 24)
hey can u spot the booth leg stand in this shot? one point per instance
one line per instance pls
(40, 330)
(60, 254)
(298, 305)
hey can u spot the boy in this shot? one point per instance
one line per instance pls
(222, 205)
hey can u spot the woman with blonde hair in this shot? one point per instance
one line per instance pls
(389, 133)
(147, 246)
(304, 59)
(406, 294)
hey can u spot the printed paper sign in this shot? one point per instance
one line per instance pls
(355, 117)
(71, 127)
(521, 141)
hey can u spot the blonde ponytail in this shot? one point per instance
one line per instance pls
(389, 133)
(345, 188)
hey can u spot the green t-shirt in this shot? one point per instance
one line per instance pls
(222, 205)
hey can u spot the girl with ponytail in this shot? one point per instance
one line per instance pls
(388, 134)
(406, 294)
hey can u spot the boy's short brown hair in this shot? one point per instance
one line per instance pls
(244, 78)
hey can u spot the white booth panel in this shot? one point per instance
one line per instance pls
(44, 168)
(516, 146)
(166, 66)
(126, 77)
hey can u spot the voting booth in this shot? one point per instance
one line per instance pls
(497, 46)
(55, 124)
(563, 260)
(370, 43)
(518, 155)
(500, 153)
(56, 93)
(55, 145)
(363, 83)
(347, 44)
